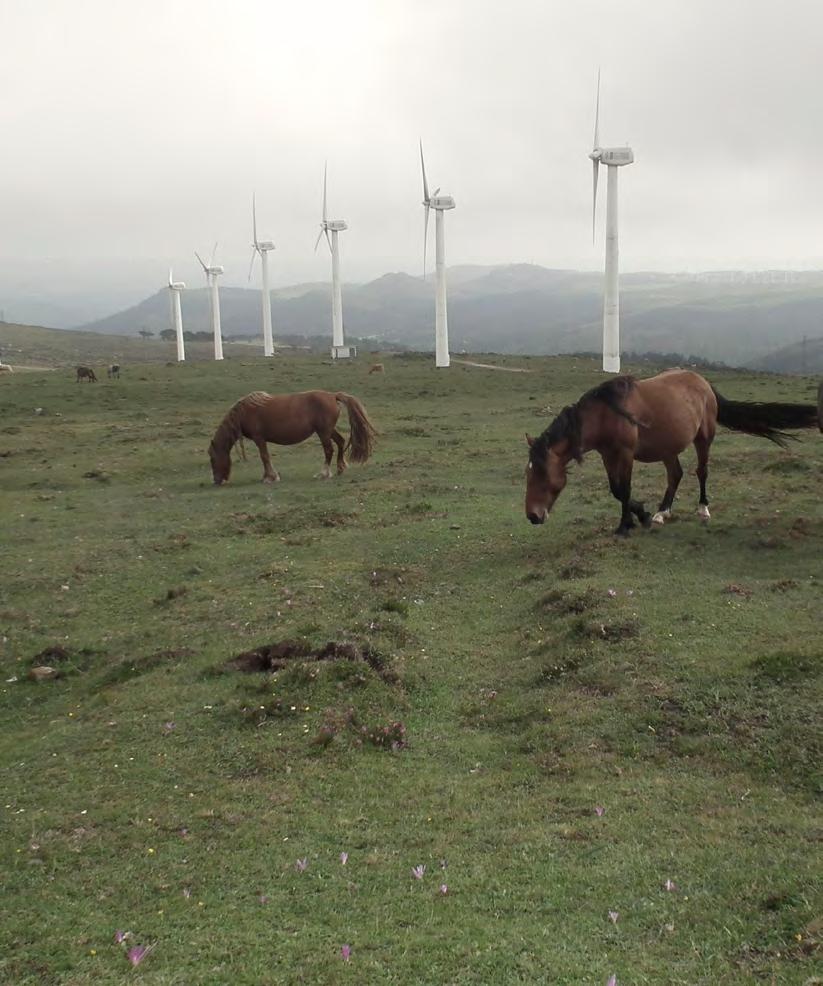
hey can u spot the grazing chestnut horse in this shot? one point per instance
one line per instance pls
(287, 419)
(651, 421)
(86, 373)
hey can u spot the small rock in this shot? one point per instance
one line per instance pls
(42, 673)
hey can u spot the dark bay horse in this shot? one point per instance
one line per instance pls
(650, 420)
(86, 373)
(287, 419)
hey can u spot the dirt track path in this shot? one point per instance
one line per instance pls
(491, 366)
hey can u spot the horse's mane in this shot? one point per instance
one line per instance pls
(568, 424)
(229, 430)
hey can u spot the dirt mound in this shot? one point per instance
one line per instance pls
(278, 655)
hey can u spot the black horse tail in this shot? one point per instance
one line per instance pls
(765, 420)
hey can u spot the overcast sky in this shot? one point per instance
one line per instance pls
(135, 132)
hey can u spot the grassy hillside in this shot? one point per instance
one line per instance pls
(605, 754)
(32, 346)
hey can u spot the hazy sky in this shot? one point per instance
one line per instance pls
(135, 132)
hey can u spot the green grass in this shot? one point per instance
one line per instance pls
(685, 702)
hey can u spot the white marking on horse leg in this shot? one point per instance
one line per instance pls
(661, 516)
(325, 473)
(703, 511)
(274, 478)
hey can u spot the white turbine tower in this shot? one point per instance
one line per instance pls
(613, 158)
(175, 290)
(334, 226)
(262, 247)
(440, 203)
(212, 272)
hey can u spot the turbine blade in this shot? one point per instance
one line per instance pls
(594, 193)
(423, 168)
(597, 114)
(213, 254)
(202, 262)
(170, 277)
(436, 192)
(328, 239)
(325, 172)
(425, 238)
(251, 265)
(317, 241)
(254, 219)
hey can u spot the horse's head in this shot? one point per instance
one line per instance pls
(545, 478)
(220, 464)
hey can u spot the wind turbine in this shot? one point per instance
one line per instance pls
(440, 203)
(212, 272)
(175, 290)
(334, 226)
(613, 158)
(262, 247)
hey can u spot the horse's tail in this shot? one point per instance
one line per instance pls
(765, 420)
(362, 432)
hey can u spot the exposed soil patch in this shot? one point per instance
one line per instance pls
(277, 656)
(130, 668)
(560, 602)
(55, 654)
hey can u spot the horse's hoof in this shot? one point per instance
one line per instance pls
(646, 521)
(272, 479)
(703, 512)
(622, 532)
(323, 475)
(661, 516)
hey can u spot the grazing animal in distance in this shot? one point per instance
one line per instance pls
(376, 368)
(649, 420)
(113, 371)
(5, 368)
(86, 373)
(287, 419)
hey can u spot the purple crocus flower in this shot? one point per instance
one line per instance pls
(599, 810)
(613, 916)
(612, 980)
(345, 952)
(444, 889)
(344, 858)
(138, 953)
(301, 864)
(121, 936)
(418, 871)
(670, 885)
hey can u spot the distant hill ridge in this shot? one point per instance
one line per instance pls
(735, 317)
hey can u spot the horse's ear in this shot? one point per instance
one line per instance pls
(529, 440)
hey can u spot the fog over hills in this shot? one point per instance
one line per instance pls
(734, 317)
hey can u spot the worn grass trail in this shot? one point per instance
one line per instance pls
(672, 680)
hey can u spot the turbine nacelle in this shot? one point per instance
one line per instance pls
(177, 285)
(614, 157)
(214, 270)
(263, 246)
(441, 202)
(334, 225)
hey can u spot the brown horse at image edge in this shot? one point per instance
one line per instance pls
(288, 419)
(650, 420)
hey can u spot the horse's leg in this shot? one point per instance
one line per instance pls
(674, 471)
(340, 442)
(269, 475)
(328, 452)
(619, 470)
(702, 444)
